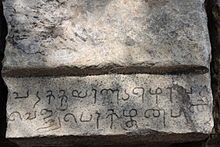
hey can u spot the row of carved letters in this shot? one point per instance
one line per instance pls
(137, 91)
(50, 116)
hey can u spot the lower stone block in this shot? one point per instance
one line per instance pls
(138, 104)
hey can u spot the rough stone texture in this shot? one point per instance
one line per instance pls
(109, 105)
(82, 33)
(50, 39)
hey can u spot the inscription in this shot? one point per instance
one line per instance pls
(109, 108)
(21, 97)
(130, 114)
(157, 92)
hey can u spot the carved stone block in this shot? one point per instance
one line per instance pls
(82, 68)
(106, 33)
(138, 104)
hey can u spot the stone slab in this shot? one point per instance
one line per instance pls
(102, 33)
(107, 105)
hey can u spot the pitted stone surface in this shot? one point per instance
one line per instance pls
(138, 104)
(82, 33)
(62, 36)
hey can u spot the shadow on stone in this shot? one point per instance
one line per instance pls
(3, 89)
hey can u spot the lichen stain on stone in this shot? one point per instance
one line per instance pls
(184, 100)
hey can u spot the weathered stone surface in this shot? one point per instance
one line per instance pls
(54, 37)
(138, 104)
(81, 33)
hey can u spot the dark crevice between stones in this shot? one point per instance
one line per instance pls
(166, 140)
(3, 89)
(110, 69)
(213, 12)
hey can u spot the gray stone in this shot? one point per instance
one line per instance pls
(100, 33)
(138, 104)
(79, 39)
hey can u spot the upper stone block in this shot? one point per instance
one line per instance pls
(102, 33)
